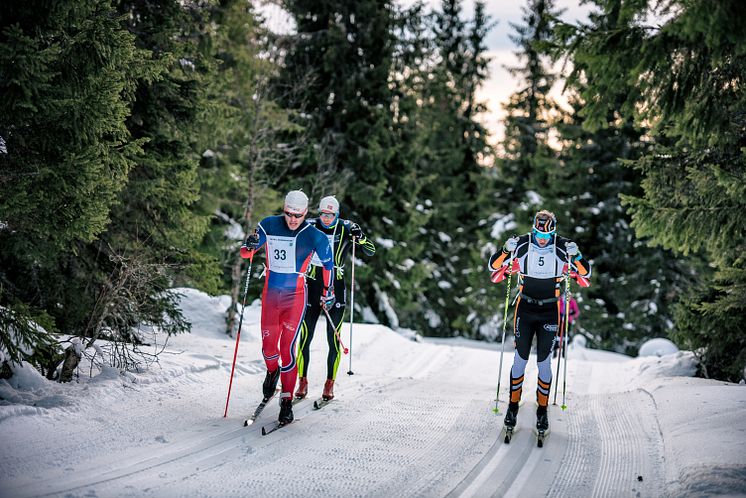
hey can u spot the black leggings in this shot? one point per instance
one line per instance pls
(540, 321)
(313, 310)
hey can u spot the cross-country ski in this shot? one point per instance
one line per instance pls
(258, 410)
(321, 403)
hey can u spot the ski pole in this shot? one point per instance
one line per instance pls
(238, 334)
(561, 348)
(352, 304)
(505, 321)
(336, 332)
(567, 328)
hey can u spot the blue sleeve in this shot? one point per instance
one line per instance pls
(262, 232)
(323, 250)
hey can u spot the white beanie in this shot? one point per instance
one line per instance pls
(296, 202)
(330, 204)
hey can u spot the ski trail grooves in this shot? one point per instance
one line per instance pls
(576, 476)
(176, 459)
(610, 447)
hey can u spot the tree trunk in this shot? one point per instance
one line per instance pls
(236, 279)
(248, 211)
(72, 358)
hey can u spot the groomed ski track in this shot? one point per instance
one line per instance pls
(424, 428)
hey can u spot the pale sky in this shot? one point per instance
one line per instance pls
(500, 85)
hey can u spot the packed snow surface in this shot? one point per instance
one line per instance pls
(415, 419)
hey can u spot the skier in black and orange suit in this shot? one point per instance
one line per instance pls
(542, 257)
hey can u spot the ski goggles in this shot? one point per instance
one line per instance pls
(294, 215)
(327, 215)
(543, 235)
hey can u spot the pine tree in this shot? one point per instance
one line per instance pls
(69, 72)
(633, 286)
(452, 297)
(343, 53)
(683, 78)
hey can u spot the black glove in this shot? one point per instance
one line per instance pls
(356, 231)
(252, 241)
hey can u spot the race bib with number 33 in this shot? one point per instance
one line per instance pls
(281, 254)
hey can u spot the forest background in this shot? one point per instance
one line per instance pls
(141, 140)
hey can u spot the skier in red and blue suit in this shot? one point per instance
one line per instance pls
(290, 243)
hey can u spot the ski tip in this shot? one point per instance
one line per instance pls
(540, 443)
(247, 423)
(264, 431)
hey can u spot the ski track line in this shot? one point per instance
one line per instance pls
(501, 465)
(401, 443)
(425, 362)
(446, 447)
(610, 447)
(225, 440)
(576, 475)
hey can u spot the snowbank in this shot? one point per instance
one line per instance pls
(658, 347)
(414, 420)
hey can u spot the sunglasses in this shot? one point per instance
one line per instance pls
(543, 235)
(294, 215)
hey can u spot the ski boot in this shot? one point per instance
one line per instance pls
(328, 390)
(270, 383)
(286, 409)
(511, 419)
(542, 425)
(302, 391)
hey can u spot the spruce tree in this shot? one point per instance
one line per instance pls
(343, 54)
(683, 78)
(68, 77)
(452, 298)
(246, 146)
(631, 295)
(525, 145)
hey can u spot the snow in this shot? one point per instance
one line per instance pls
(502, 225)
(387, 243)
(415, 419)
(444, 237)
(534, 198)
(658, 347)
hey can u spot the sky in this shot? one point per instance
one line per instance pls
(501, 84)
(498, 88)
(415, 419)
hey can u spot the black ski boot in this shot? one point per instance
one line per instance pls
(286, 409)
(511, 418)
(542, 421)
(270, 383)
